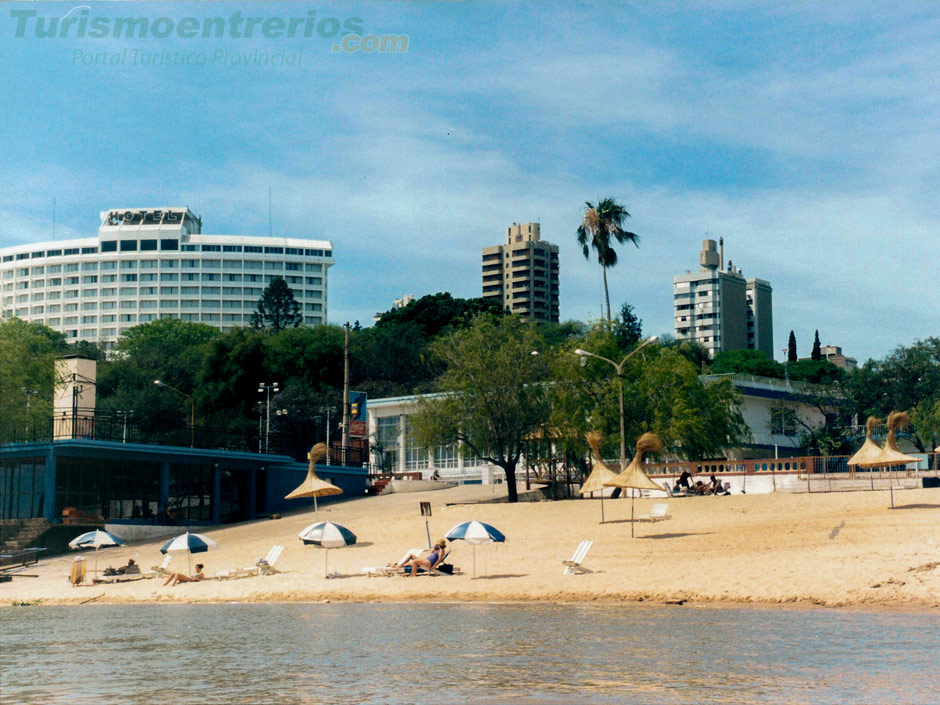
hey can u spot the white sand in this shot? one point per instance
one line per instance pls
(765, 549)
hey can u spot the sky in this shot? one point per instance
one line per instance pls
(806, 134)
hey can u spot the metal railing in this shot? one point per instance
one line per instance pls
(116, 429)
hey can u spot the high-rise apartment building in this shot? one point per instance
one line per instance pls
(720, 309)
(155, 263)
(523, 273)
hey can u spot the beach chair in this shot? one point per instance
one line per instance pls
(388, 570)
(265, 566)
(573, 565)
(77, 576)
(421, 571)
(160, 570)
(658, 513)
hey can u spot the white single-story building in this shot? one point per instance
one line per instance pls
(394, 450)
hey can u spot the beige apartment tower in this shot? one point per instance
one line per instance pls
(523, 273)
(720, 309)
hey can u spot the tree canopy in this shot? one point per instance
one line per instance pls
(277, 308)
(495, 396)
(435, 312)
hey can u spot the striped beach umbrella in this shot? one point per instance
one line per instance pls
(326, 534)
(475, 533)
(96, 539)
(189, 543)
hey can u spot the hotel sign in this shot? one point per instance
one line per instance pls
(145, 217)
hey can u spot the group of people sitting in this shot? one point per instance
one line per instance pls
(713, 487)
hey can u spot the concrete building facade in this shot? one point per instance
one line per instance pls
(523, 273)
(720, 309)
(150, 263)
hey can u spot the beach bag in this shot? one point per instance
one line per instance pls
(446, 568)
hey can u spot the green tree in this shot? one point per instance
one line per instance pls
(816, 354)
(906, 379)
(926, 419)
(167, 349)
(392, 360)
(815, 371)
(495, 397)
(27, 374)
(750, 362)
(436, 312)
(791, 348)
(277, 308)
(662, 393)
(601, 226)
(629, 328)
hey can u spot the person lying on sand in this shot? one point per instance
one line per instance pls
(175, 578)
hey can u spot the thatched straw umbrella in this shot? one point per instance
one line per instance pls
(600, 473)
(313, 486)
(633, 476)
(890, 455)
(869, 450)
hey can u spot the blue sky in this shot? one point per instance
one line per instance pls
(805, 134)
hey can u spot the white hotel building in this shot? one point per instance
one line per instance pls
(155, 263)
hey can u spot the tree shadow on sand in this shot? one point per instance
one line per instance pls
(917, 506)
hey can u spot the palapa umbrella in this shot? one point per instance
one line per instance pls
(600, 473)
(890, 455)
(870, 450)
(326, 534)
(634, 477)
(475, 533)
(313, 486)
(189, 543)
(96, 539)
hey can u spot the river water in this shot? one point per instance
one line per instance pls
(479, 653)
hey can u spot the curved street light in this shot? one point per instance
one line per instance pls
(192, 410)
(584, 354)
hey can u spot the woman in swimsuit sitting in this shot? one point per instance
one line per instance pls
(429, 562)
(175, 578)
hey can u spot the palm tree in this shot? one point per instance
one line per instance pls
(601, 225)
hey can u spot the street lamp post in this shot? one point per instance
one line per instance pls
(267, 389)
(192, 410)
(30, 393)
(584, 354)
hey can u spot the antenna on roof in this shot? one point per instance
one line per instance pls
(53, 217)
(269, 211)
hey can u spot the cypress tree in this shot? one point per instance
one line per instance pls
(791, 348)
(816, 354)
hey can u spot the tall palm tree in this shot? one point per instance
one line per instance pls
(601, 225)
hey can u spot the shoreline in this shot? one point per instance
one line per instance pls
(842, 551)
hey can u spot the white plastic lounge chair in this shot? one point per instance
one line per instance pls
(658, 513)
(265, 566)
(160, 569)
(384, 570)
(573, 565)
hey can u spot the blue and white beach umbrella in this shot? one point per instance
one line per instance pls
(475, 533)
(326, 534)
(96, 539)
(189, 543)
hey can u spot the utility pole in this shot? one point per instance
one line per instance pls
(346, 395)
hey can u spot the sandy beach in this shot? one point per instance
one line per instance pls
(836, 550)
